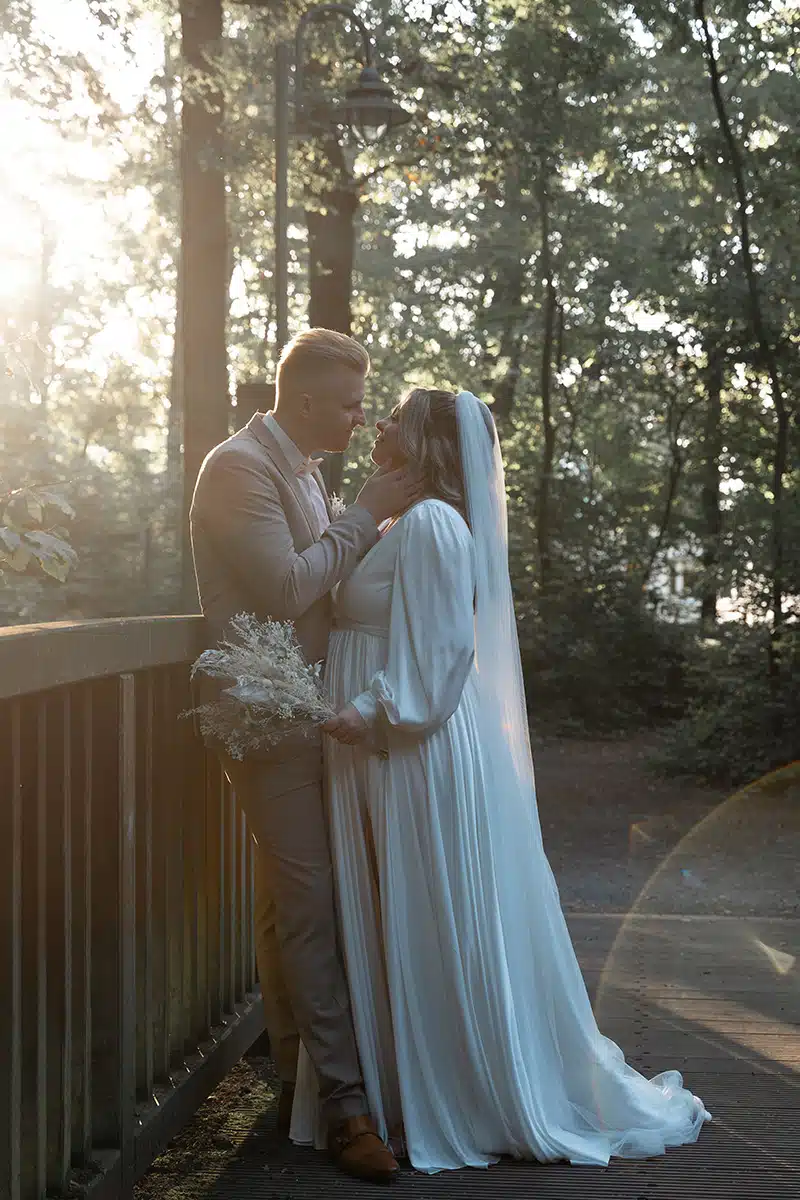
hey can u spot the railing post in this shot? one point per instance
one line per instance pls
(34, 950)
(83, 757)
(213, 889)
(244, 905)
(174, 869)
(55, 782)
(10, 950)
(144, 891)
(127, 930)
(192, 779)
(114, 924)
(125, 910)
(160, 907)
(232, 809)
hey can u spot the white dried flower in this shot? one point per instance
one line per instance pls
(338, 506)
(273, 691)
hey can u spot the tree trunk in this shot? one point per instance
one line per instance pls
(175, 416)
(710, 491)
(567, 398)
(331, 251)
(176, 509)
(505, 307)
(173, 480)
(203, 293)
(543, 530)
(505, 390)
(331, 236)
(675, 419)
(759, 324)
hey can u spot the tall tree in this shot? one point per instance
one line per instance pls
(331, 224)
(764, 336)
(202, 374)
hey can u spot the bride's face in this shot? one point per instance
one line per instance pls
(387, 450)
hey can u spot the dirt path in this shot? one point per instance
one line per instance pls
(617, 836)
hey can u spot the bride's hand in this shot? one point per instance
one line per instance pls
(348, 727)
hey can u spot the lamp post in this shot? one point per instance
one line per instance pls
(368, 109)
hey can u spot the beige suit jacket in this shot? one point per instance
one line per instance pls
(254, 545)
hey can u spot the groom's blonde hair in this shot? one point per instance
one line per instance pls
(307, 356)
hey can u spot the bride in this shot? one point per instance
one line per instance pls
(474, 1027)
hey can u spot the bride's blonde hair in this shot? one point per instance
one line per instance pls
(428, 428)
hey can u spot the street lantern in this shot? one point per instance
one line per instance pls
(368, 112)
(369, 109)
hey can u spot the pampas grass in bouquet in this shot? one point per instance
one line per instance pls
(274, 690)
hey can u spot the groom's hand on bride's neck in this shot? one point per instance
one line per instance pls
(390, 491)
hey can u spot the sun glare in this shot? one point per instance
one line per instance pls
(58, 221)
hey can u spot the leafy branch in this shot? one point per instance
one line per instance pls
(32, 533)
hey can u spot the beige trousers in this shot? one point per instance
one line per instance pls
(299, 963)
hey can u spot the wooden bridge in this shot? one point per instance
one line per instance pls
(127, 973)
(127, 970)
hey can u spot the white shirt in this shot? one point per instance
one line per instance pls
(302, 467)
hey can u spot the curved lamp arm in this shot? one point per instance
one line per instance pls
(314, 14)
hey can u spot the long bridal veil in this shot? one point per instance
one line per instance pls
(569, 1087)
(498, 661)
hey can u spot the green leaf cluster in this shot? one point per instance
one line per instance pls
(27, 540)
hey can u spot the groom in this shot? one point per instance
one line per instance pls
(264, 542)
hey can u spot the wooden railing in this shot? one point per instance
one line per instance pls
(127, 970)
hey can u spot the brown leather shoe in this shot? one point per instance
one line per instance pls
(285, 1103)
(357, 1150)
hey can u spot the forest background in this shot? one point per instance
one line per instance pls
(592, 220)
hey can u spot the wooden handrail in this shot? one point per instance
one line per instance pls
(127, 962)
(35, 658)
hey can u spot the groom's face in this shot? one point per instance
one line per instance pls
(336, 407)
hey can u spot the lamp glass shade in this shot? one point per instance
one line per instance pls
(369, 109)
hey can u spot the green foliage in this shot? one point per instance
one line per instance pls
(27, 542)
(558, 223)
(741, 723)
(596, 661)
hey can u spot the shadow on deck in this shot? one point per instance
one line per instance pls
(715, 997)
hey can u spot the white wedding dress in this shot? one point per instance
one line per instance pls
(473, 1022)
